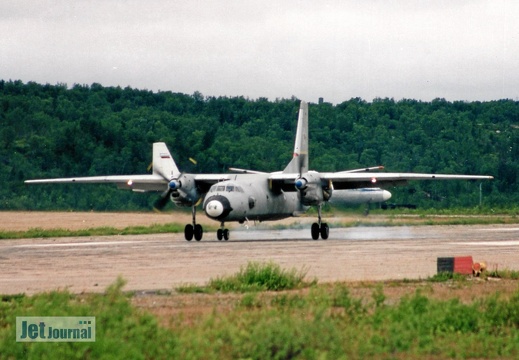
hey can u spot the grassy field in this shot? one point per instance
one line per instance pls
(277, 314)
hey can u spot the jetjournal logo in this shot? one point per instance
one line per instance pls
(55, 329)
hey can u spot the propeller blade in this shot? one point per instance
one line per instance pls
(162, 201)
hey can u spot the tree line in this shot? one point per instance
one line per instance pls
(86, 130)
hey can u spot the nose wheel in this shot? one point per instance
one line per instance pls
(319, 228)
(222, 234)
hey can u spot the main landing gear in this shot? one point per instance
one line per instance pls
(193, 230)
(320, 228)
(222, 233)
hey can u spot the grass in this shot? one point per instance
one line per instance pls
(255, 276)
(503, 274)
(447, 276)
(320, 322)
(121, 330)
(100, 231)
(407, 220)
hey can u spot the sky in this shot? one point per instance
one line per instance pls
(336, 49)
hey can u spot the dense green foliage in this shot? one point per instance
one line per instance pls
(325, 322)
(53, 131)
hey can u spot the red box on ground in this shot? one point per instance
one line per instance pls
(463, 265)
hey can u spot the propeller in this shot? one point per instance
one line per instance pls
(162, 201)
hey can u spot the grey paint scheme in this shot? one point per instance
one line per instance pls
(268, 204)
(275, 195)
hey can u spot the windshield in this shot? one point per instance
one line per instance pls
(225, 188)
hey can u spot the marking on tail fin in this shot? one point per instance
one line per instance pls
(163, 163)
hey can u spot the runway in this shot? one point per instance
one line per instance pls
(165, 261)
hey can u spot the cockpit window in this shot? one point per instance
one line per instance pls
(228, 188)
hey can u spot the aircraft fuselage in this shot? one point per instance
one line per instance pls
(248, 197)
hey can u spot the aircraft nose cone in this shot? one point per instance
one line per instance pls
(217, 207)
(214, 208)
(386, 195)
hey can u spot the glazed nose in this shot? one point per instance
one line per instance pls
(217, 207)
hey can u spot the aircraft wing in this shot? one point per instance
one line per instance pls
(353, 180)
(138, 183)
(131, 182)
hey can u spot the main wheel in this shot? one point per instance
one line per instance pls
(188, 232)
(226, 234)
(198, 232)
(315, 231)
(219, 234)
(325, 231)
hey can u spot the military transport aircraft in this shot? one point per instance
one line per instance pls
(247, 195)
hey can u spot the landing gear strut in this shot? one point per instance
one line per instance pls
(320, 228)
(194, 229)
(222, 233)
(366, 211)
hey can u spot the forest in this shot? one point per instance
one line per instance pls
(58, 130)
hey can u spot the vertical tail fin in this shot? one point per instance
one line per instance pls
(163, 163)
(299, 162)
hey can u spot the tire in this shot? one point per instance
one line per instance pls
(189, 232)
(315, 231)
(226, 234)
(198, 232)
(219, 234)
(325, 231)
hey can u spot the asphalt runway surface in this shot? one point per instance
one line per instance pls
(165, 261)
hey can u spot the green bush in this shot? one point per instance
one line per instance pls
(259, 277)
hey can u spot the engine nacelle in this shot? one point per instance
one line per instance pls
(184, 191)
(311, 189)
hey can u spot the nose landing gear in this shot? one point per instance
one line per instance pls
(222, 233)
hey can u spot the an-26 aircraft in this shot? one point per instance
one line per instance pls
(247, 195)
